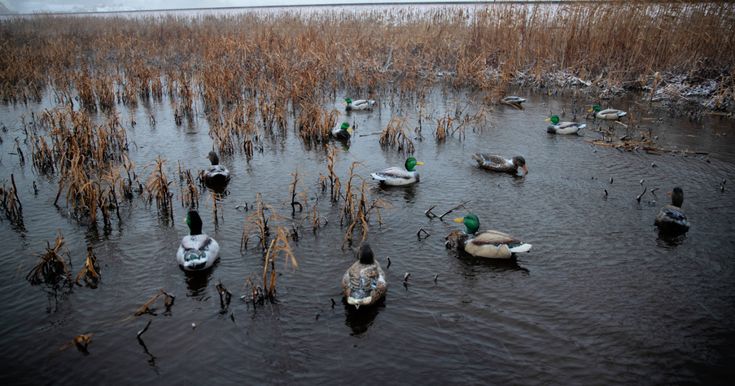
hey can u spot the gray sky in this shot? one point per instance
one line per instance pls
(30, 6)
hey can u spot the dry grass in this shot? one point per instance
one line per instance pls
(189, 191)
(157, 187)
(258, 223)
(287, 62)
(52, 269)
(394, 135)
(90, 272)
(279, 246)
(10, 202)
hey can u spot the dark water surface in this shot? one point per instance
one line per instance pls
(600, 299)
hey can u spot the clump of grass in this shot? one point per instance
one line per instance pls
(11, 202)
(189, 191)
(360, 215)
(90, 272)
(279, 246)
(157, 187)
(395, 135)
(334, 184)
(314, 123)
(258, 222)
(52, 269)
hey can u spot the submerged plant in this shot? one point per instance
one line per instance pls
(90, 271)
(52, 269)
(279, 246)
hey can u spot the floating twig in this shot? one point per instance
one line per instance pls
(388, 266)
(461, 205)
(423, 232)
(429, 213)
(141, 332)
(224, 297)
(641, 195)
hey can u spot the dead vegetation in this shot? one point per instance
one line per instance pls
(53, 269)
(239, 61)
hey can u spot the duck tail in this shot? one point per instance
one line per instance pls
(521, 248)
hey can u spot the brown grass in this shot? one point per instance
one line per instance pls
(287, 62)
(394, 135)
(279, 246)
(157, 187)
(52, 269)
(90, 272)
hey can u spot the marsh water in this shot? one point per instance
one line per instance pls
(600, 298)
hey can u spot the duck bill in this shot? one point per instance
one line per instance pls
(419, 163)
(525, 170)
(349, 130)
(547, 120)
(459, 220)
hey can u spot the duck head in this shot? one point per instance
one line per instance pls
(213, 158)
(365, 254)
(348, 101)
(411, 163)
(470, 221)
(594, 110)
(520, 162)
(554, 119)
(677, 197)
(346, 128)
(194, 222)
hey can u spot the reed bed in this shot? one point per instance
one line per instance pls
(286, 63)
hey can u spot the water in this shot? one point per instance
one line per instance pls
(599, 299)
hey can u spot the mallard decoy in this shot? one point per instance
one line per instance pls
(490, 244)
(607, 114)
(671, 219)
(513, 100)
(343, 132)
(396, 176)
(217, 175)
(364, 284)
(557, 127)
(197, 250)
(497, 163)
(359, 104)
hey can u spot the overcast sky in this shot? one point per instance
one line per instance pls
(30, 6)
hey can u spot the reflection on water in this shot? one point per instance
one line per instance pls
(359, 320)
(197, 281)
(668, 239)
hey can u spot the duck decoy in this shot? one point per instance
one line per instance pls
(671, 219)
(490, 244)
(558, 127)
(498, 163)
(197, 250)
(397, 176)
(364, 284)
